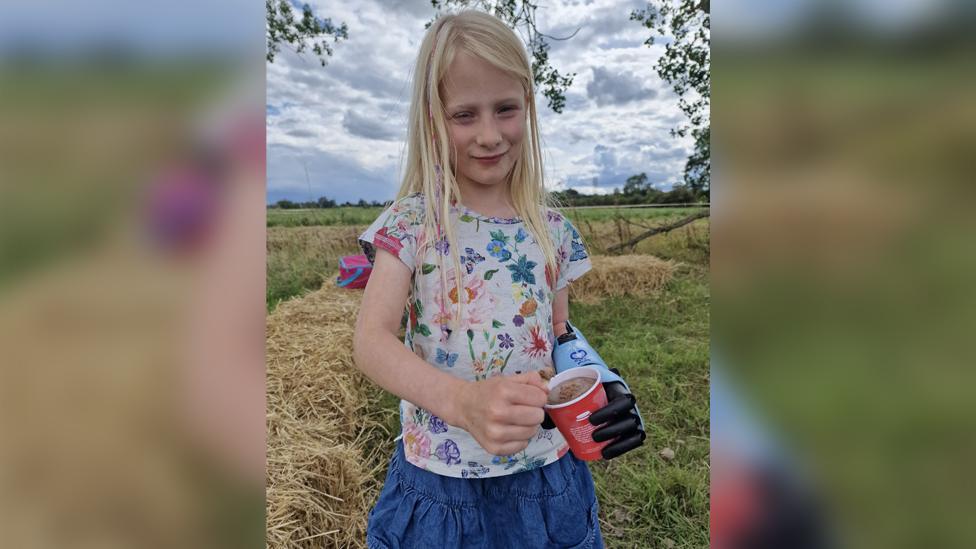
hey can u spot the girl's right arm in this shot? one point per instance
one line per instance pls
(502, 413)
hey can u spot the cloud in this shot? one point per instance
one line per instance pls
(369, 128)
(332, 175)
(612, 88)
(347, 121)
(301, 133)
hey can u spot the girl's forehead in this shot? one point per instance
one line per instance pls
(470, 79)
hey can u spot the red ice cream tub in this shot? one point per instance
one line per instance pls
(572, 416)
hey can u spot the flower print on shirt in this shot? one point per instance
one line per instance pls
(520, 235)
(470, 259)
(496, 249)
(579, 252)
(416, 444)
(522, 270)
(478, 303)
(536, 344)
(474, 470)
(443, 246)
(528, 307)
(436, 425)
(448, 452)
(505, 341)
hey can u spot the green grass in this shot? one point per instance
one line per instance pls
(660, 344)
(348, 215)
(635, 214)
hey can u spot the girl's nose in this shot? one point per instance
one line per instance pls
(488, 136)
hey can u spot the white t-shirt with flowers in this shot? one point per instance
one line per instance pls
(505, 326)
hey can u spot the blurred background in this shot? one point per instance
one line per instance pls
(131, 273)
(842, 376)
(132, 286)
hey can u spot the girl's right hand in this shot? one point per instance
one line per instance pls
(503, 413)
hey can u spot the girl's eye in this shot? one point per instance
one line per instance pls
(508, 109)
(462, 116)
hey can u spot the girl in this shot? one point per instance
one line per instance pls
(483, 267)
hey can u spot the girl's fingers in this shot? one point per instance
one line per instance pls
(525, 416)
(533, 379)
(526, 395)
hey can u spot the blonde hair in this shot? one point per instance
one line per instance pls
(428, 166)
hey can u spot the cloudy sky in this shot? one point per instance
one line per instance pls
(345, 124)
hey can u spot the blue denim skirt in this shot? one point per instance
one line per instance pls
(553, 506)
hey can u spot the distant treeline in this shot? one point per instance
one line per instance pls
(324, 202)
(636, 190)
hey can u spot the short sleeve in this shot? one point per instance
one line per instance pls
(395, 231)
(571, 254)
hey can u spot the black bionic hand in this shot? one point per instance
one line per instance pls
(621, 421)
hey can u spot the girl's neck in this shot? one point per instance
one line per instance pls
(487, 200)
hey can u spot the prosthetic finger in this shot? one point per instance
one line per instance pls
(616, 407)
(621, 427)
(547, 422)
(624, 445)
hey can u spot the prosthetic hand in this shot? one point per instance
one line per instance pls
(621, 416)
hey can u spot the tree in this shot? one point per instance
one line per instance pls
(325, 202)
(636, 184)
(686, 66)
(520, 15)
(283, 28)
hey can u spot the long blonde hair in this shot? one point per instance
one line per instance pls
(428, 168)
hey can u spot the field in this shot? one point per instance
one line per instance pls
(659, 340)
(304, 246)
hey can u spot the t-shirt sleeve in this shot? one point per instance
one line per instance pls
(395, 231)
(573, 259)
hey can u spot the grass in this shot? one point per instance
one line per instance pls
(300, 259)
(327, 217)
(354, 215)
(660, 344)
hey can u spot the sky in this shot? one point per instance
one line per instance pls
(338, 131)
(146, 27)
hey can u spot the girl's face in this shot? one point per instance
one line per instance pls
(485, 120)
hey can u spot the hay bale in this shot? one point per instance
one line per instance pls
(620, 275)
(327, 440)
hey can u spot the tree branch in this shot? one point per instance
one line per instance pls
(658, 230)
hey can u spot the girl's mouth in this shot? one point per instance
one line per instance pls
(489, 159)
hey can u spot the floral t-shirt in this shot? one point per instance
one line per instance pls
(505, 325)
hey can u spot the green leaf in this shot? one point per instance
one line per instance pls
(428, 268)
(423, 329)
(499, 236)
(496, 324)
(467, 218)
(490, 274)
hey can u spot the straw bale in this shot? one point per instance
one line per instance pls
(327, 436)
(611, 276)
(326, 238)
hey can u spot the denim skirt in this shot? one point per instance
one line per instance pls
(553, 506)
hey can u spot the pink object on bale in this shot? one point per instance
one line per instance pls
(353, 272)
